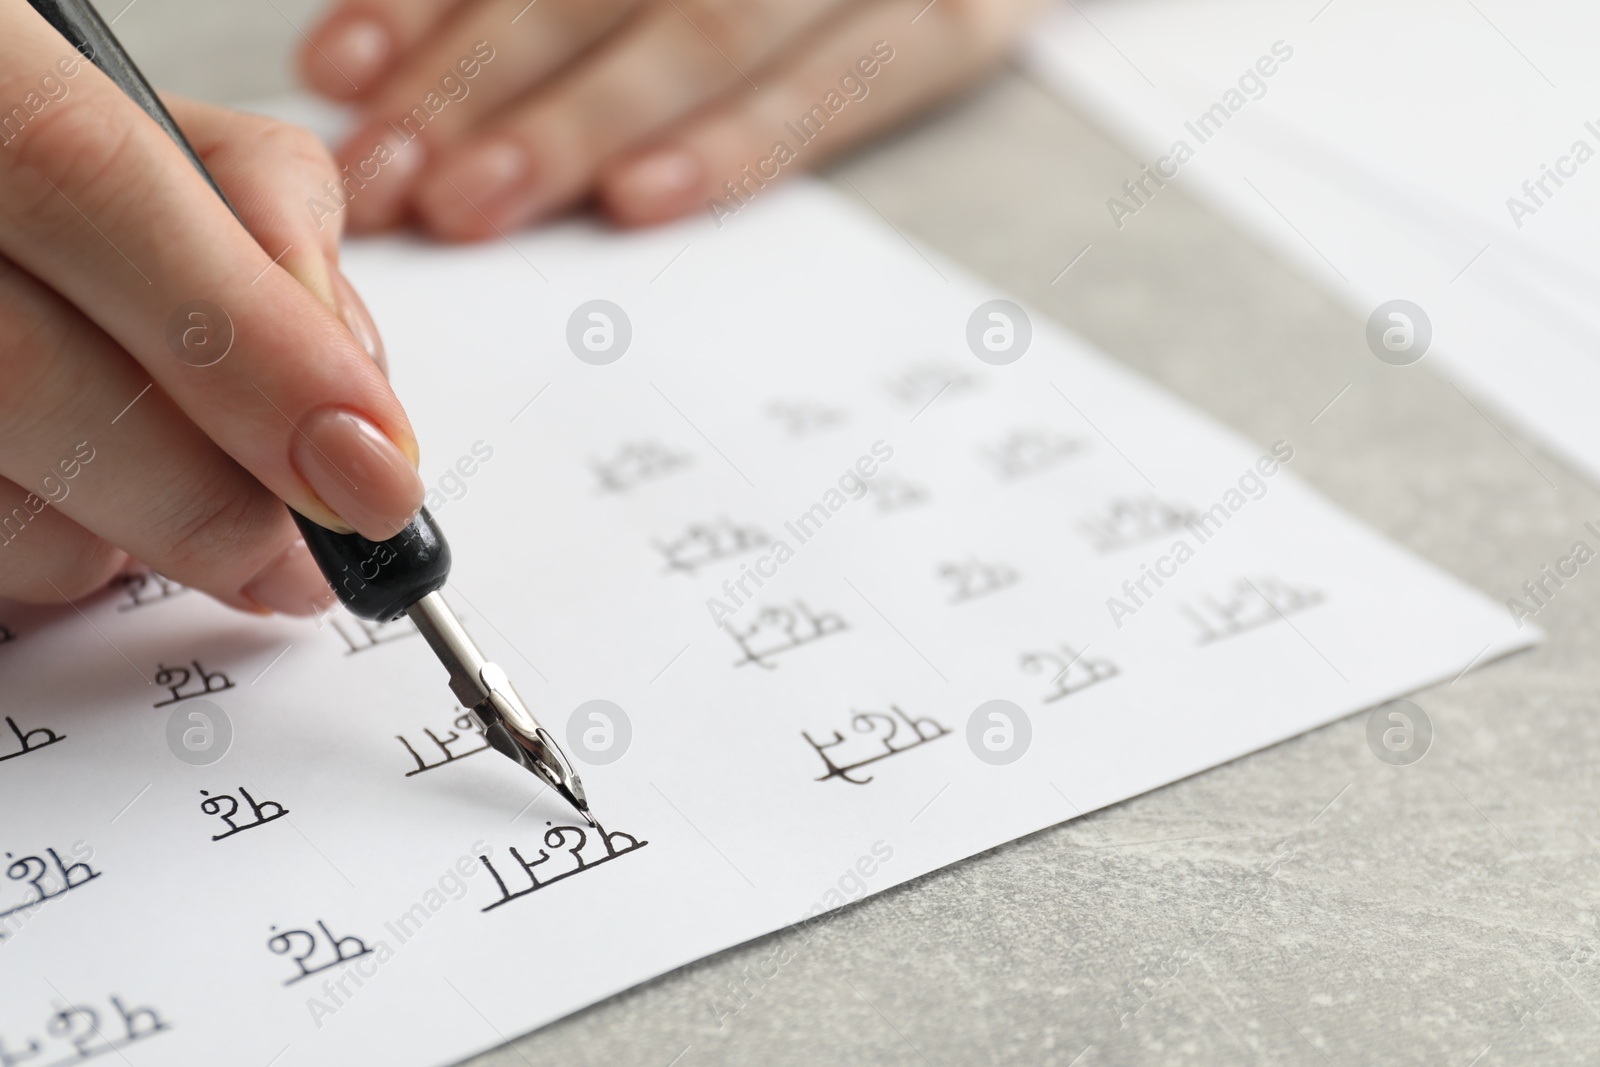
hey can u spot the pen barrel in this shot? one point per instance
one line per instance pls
(380, 579)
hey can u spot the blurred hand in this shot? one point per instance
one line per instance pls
(137, 422)
(484, 115)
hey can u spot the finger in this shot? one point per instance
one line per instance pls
(486, 55)
(281, 182)
(45, 557)
(82, 428)
(490, 53)
(356, 316)
(865, 73)
(266, 166)
(667, 60)
(377, 165)
(104, 209)
(357, 41)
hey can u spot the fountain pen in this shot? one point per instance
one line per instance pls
(377, 580)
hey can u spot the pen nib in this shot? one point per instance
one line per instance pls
(575, 797)
(507, 724)
(539, 755)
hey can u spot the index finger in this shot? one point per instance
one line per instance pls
(100, 205)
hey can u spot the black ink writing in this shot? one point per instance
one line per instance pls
(569, 841)
(144, 588)
(1131, 521)
(463, 722)
(803, 418)
(1024, 453)
(363, 634)
(177, 679)
(920, 384)
(778, 629)
(637, 463)
(973, 579)
(891, 493)
(704, 543)
(263, 811)
(1070, 671)
(344, 950)
(79, 1031)
(883, 731)
(1245, 606)
(27, 740)
(45, 881)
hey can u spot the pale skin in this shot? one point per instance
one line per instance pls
(644, 108)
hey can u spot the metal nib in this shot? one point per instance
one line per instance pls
(483, 688)
(538, 754)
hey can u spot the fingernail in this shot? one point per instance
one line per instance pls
(290, 584)
(663, 182)
(491, 180)
(361, 475)
(310, 269)
(356, 316)
(384, 164)
(358, 49)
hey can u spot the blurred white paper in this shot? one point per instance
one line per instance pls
(1405, 150)
(1151, 594)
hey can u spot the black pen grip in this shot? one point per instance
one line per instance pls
(380, 579)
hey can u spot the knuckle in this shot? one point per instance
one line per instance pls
(274, 168)
(734, 27)
(218, 533)
(38, 393)
(295, 145)
(27, 330)
(574, 24)
(62, 560)
(91, 565)
(80, 152)
(986, 26)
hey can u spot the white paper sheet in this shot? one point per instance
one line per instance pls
(1382, 157)
(768, 357)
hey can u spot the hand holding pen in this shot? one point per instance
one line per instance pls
(382, 555)
(119, 435)
(127, 286)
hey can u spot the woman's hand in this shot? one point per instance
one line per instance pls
(484, 115)
(165, 383)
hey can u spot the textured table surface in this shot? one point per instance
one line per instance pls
(1306, 905)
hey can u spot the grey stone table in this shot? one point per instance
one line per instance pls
(1306, 905)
